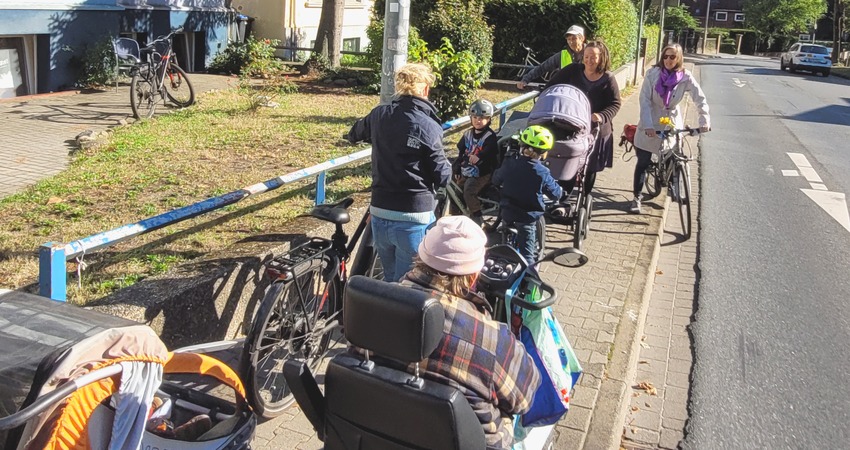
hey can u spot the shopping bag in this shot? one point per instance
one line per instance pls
(546, 343)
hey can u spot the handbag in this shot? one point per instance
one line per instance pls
(544, 340)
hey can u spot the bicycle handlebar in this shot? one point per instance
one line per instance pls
(548, 297)
(165, 38)
(687, 130)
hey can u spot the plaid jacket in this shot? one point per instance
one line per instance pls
(482, 358)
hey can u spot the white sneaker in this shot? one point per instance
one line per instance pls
(635, 206)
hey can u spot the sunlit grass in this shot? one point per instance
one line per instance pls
(220, 145)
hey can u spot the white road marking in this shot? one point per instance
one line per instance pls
(818, 187)
(810, 174)
(738, 82)
(790, 173)
(799, 159)
(833, 203)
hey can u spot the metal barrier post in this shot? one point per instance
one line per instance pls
(52, 273)
(502, 117)
(321, 179)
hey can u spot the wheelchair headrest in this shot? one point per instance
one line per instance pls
(391, 320)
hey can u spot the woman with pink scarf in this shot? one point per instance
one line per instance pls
(663, 89)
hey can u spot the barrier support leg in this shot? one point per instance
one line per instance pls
(321, 179)
(52, 273)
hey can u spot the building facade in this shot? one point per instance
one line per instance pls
(40, 39)
(721, 13)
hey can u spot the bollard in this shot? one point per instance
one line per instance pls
(52, 274)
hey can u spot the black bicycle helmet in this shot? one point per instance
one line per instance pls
(482, 108)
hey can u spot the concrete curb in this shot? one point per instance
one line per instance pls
(606, 423)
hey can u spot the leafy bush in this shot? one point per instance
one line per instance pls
(531, 22)
(254, 58)
(679, 18)
(459, 75)
(461, 21)
(650, 32)
(95, 66)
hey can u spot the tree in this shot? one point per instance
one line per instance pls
(782, 17)
(837, 27)
(678, 18)
(329, 35)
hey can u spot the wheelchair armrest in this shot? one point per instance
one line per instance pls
(307, 394)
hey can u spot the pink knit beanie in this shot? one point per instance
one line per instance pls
(455, 245)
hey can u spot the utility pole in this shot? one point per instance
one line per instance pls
(705, 34)
(661, 35)
(396, 27)
(639, 40)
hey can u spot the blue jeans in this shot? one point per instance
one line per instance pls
(526, 240)
(397, 243)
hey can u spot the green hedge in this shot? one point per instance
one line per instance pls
(614, 21)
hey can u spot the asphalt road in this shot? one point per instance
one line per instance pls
(772, 328)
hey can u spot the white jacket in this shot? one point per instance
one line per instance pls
(652, 107)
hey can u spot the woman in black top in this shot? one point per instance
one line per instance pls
(594, 78)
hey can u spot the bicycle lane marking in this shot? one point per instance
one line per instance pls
(834, 203)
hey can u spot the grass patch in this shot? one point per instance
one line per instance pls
(223, 143)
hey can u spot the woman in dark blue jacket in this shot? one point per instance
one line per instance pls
(408, 166)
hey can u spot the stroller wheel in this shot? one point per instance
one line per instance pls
(580, 228)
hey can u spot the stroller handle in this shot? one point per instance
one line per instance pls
(42, 403)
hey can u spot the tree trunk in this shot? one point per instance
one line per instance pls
(329, 35)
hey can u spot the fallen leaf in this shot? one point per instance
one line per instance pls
(54, 200)
(643, 361)
(648, 387)
(635, 409)
(643, 338)
(659, 272)
(644, 345)
(647, 405)
(635, 394)
(634, 430)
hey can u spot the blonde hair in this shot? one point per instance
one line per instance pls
(457, 285)
(413, 79)
(680, 56)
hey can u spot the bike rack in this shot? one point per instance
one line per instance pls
(52, 256)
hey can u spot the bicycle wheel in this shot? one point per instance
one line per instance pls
(366, 260)
(178, 88)
(580, 228)
(653, 181)
(143, 96)
(683, 196)
(541, 236)
(282, 329)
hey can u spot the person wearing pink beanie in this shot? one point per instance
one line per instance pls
(477, 355)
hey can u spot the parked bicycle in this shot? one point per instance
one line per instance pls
(674, 172)
(300, 316)
(450, 202)
(529, 63)
(158, 76)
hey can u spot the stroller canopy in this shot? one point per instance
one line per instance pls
(565, 110)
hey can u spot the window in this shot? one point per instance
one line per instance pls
(720, 16)
(739, 17)
(351, 45)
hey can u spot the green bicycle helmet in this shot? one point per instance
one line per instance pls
(537, 137)
(482, 108)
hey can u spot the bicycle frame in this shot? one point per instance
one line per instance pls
(454, 196)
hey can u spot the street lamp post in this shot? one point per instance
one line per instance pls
(639, 40)
(705, 34)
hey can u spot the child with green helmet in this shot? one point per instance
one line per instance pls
(524, 180)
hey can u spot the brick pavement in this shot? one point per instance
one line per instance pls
(601, 303)
(40, 131)
(658, 420)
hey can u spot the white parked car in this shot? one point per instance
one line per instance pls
(812, 57)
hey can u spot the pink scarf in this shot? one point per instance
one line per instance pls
(666, 82)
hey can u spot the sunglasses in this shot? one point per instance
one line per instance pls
(668, 57)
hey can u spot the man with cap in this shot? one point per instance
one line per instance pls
(477, 355)
(572, 53)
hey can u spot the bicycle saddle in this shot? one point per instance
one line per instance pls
(334, 212)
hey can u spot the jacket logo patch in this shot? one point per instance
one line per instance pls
(412, 142)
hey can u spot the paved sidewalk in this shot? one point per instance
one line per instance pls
(656, 419)
(40, 131)
(600, 304)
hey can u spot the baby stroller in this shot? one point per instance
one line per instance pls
(565, 111)
(73, 378)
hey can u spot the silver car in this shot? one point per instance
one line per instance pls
(815, 58)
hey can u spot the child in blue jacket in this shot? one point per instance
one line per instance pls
(524, 180)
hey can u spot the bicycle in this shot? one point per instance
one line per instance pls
(301, 313)
(450, 202)
(529, 63)
(149, 85)
(673, 167)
